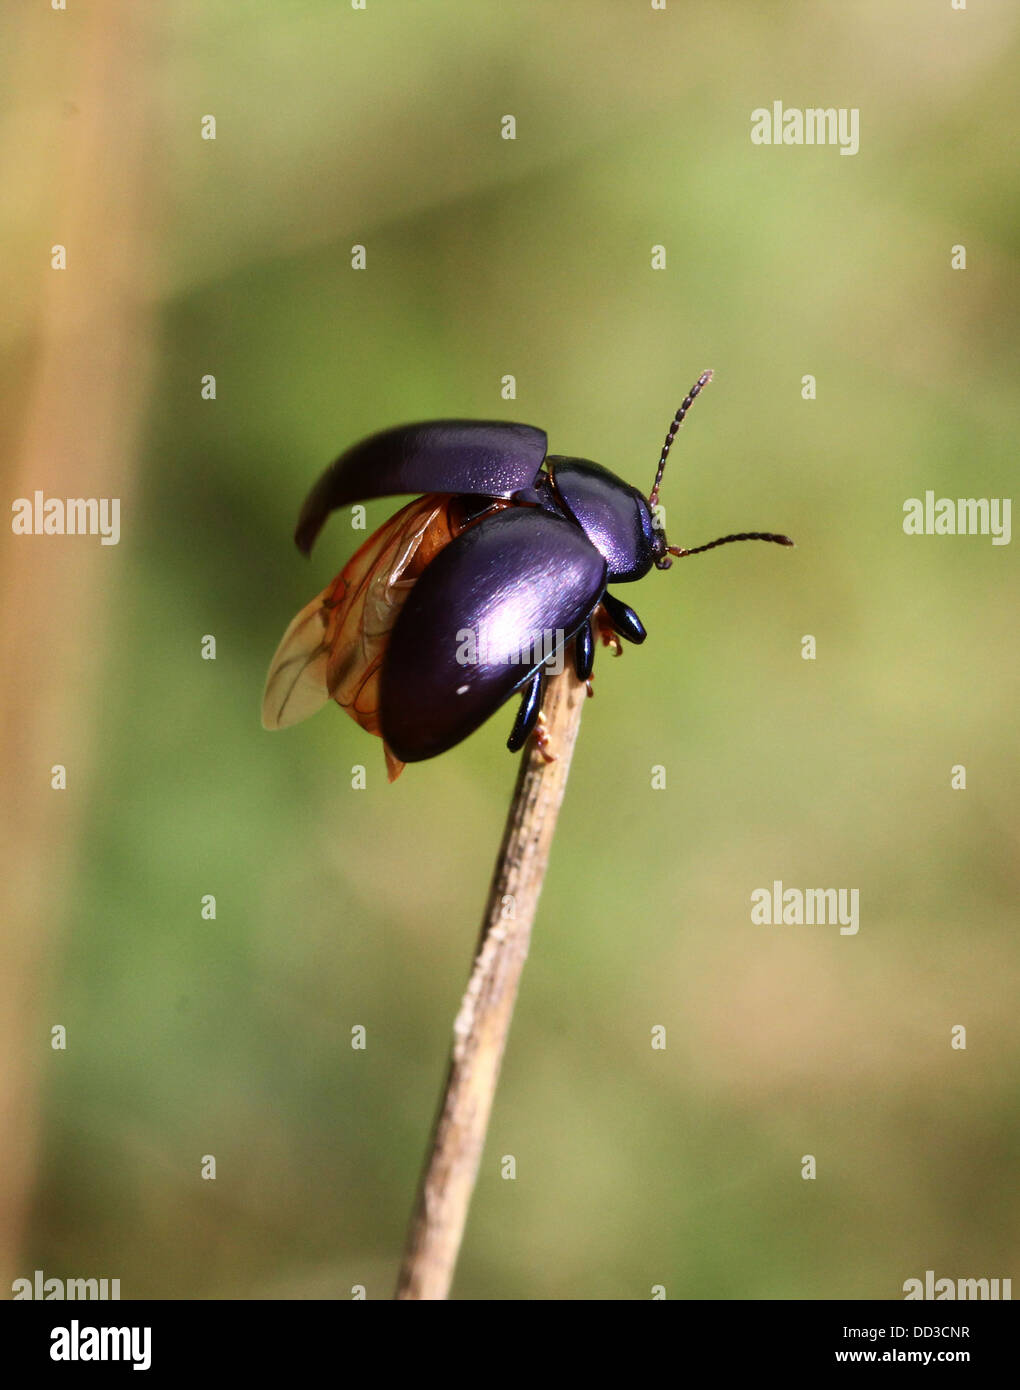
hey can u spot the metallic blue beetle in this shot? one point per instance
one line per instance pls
(467, 594)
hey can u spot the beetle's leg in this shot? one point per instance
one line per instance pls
(584, 651)
(528, 714)
(624, 619)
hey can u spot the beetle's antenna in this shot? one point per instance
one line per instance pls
(725, 540)
(678, 420)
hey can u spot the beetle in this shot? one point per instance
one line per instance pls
(468, 594)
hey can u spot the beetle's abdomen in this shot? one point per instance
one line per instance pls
(479, 622)
(375, 594)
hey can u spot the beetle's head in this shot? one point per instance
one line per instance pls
(661, 552)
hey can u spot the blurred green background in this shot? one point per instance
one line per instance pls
(338, 907)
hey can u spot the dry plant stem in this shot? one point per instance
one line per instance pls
(481, 1027)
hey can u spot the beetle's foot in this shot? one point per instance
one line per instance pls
(589, 687)
(607, 632)
(542, 740)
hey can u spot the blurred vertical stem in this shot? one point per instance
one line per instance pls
(89, 178)
(481, 1027)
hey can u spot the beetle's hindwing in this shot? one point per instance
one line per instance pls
(517, 582)
(334, 647)
(490, 458)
